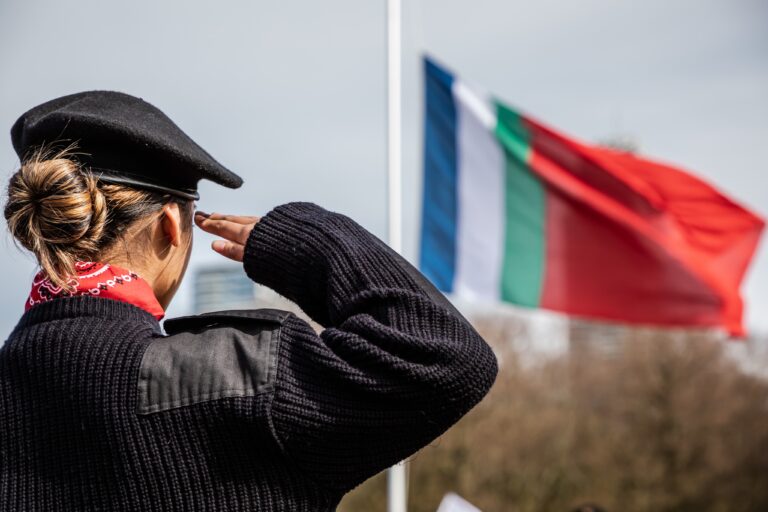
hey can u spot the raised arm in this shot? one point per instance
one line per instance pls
(394, 368)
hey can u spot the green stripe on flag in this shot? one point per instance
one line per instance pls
(523, 263)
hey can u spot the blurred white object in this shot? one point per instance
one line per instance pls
(455, 503)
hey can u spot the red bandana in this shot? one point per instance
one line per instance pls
(100, 280)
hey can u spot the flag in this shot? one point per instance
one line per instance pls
(516, 211)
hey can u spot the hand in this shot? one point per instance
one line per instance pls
(233, 228)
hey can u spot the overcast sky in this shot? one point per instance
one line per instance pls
(291, 94)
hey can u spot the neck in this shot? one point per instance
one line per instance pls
(157, 262)
(148, 271)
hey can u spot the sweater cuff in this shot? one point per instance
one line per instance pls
(285, 251)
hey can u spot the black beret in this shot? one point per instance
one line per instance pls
(122, 139)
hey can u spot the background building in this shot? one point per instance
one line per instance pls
(219, 287)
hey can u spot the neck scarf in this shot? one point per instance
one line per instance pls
(100, 280)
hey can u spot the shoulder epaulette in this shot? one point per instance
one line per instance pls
(206, 357)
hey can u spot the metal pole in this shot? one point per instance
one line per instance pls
(397, 488)
(397, 497)
(394, 125)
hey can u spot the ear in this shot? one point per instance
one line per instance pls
(171, 223)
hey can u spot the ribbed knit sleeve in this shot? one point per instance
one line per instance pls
(395, 366)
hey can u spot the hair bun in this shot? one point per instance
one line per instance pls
(55, 209)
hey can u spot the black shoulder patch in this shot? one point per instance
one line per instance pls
(210, 356)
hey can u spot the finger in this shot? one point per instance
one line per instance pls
(230, 230)
(238, 219)
(231, 250)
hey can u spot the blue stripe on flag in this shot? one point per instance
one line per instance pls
(440, 203)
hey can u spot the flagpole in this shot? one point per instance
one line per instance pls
(394, 125)
(397, 497)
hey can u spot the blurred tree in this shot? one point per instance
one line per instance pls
(664, 422)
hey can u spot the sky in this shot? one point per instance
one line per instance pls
(291, 95)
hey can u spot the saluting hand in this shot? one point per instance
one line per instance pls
(233, 228)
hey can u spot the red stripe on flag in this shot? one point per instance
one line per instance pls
(598, 268)
(633, 240)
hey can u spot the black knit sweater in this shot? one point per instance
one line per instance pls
(99, 410)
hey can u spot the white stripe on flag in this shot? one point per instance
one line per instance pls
(480, 225)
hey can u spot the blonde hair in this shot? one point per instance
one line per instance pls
(61, 213)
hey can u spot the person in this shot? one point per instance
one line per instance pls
(101, 408)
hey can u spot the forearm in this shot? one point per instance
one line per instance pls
(320, 259)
